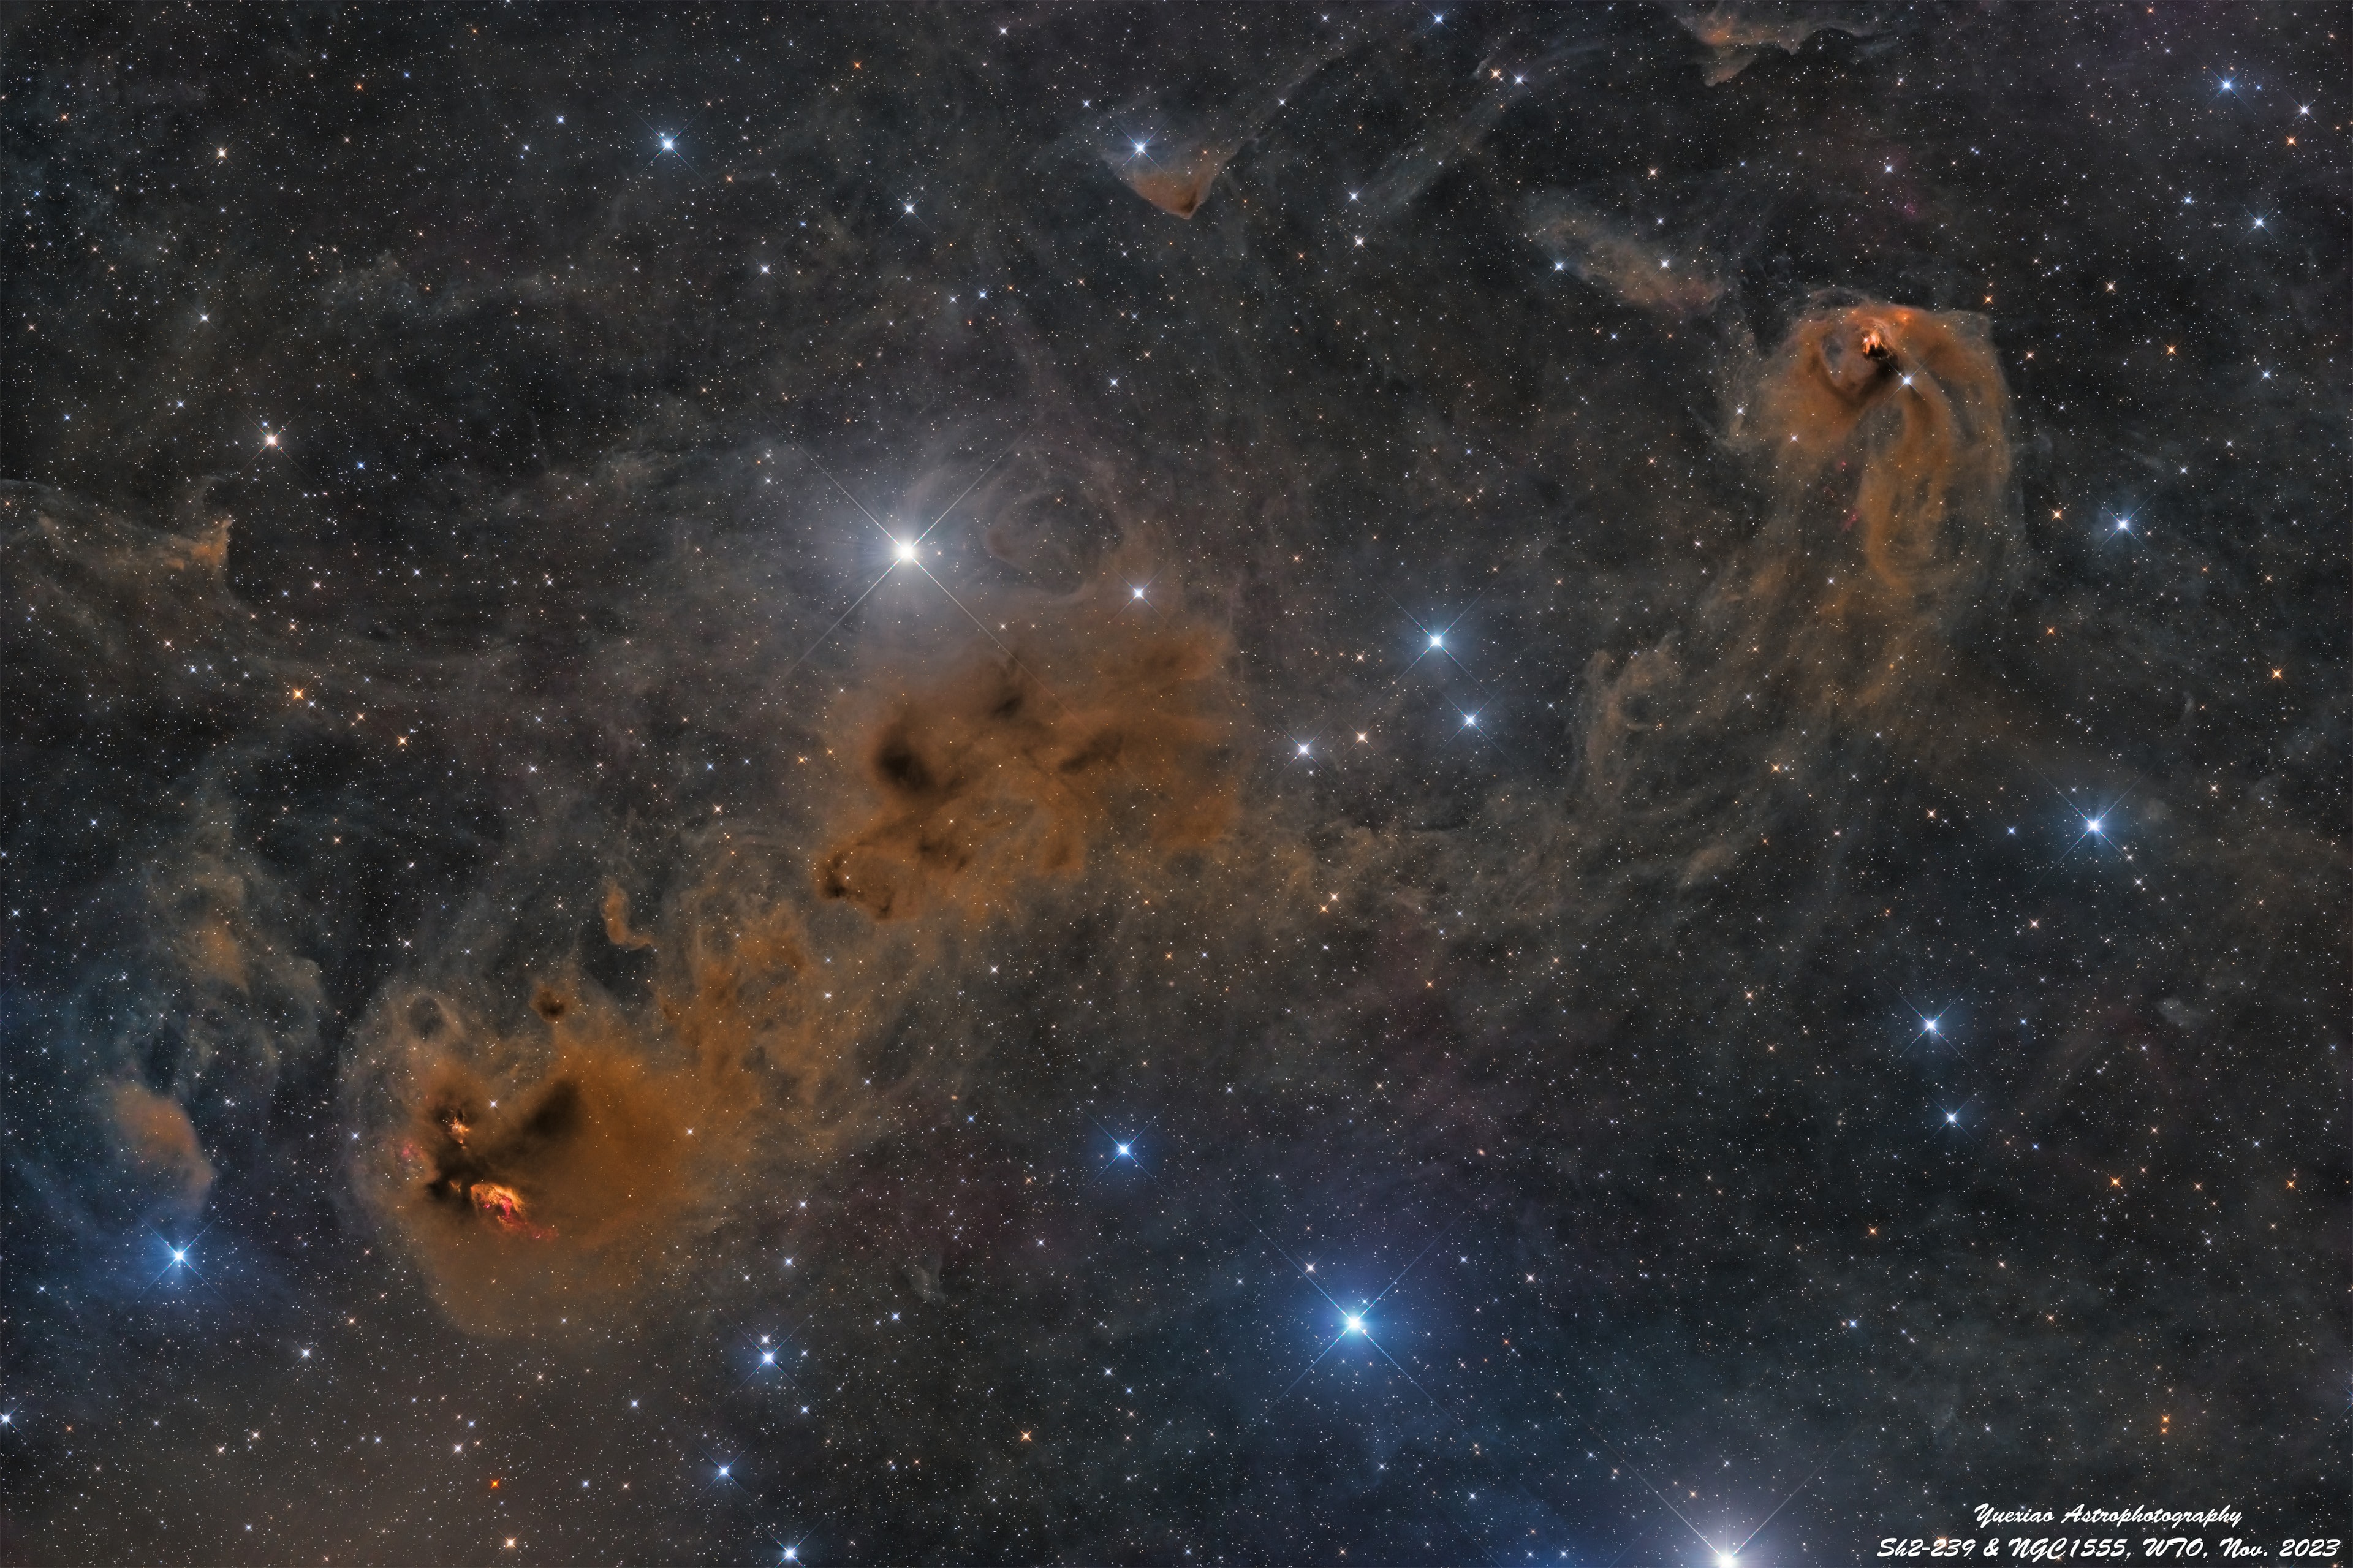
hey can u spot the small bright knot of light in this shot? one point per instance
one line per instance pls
(2091, 824)
(1123, 1151)
(1727, 1560)
(1930, 1025)
(668, 145)
(178, 1256)
(1952, 1117)
(905, 550)
(1356, 1325)
(1469, 721)
(1303, 748)
(1135, 592)
(1438, 640)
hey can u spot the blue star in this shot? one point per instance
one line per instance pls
(1123, 1147)
(1355, 1323)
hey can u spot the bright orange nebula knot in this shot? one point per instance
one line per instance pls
(503, 1204)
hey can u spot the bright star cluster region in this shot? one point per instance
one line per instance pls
(1167, 784)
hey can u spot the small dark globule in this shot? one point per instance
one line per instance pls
(901, 767)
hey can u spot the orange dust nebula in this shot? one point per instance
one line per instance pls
(1002, 774)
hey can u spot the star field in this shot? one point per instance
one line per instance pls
(1168, 784)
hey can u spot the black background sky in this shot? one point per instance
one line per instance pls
(444, 450)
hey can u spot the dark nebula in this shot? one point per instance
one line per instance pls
(564, 1193)
(1009, 771)
(1618, 260)
(750, 824)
